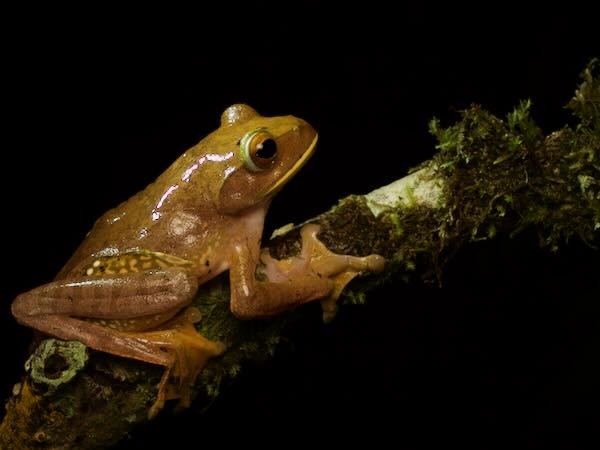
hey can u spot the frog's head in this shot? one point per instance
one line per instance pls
(267, 153)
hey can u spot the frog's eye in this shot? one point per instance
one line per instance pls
(259, 150)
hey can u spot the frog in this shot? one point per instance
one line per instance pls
(127, 290)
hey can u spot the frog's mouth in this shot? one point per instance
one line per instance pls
(294, 169)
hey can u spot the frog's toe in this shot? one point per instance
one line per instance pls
(374, 263)
(161, 395)
(329, 304)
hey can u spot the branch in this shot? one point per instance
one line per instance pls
(490, 177)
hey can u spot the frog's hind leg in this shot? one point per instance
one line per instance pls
(76, 309)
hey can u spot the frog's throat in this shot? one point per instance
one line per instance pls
(295, 168)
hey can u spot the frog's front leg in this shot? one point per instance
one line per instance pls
(113, 313)
(316, 273)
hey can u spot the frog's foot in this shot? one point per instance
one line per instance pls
(341, 269)
(316, 257)
(189, 353)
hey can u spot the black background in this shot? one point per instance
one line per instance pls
(506, 351)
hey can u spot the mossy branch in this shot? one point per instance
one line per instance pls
(491, 176)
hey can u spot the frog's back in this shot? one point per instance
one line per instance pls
(178, 227)
(115, 231)
(199, 201)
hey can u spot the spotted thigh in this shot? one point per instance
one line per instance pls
(136, 260)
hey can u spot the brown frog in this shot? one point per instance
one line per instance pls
(127, 289)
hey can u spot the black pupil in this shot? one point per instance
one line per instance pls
(266, 149)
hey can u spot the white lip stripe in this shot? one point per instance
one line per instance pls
(294, 168)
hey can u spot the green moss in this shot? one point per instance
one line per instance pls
(585, 105)
(246, 340)
(502, 175)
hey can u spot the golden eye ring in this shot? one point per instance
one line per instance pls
(258, 149)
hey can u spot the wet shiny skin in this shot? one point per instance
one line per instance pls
(194, 206)
(127, 288)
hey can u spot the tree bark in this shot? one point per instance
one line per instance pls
(490, 177)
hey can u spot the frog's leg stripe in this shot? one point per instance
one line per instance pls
(110, 297)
